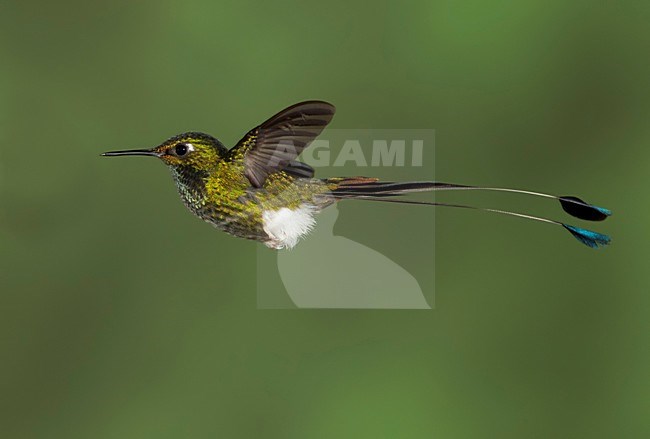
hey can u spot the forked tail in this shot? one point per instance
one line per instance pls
(363, 188)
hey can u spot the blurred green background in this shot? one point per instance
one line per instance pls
(122, 316)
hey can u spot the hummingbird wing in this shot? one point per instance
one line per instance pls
(274, 145)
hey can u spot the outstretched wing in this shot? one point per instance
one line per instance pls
(274, 145)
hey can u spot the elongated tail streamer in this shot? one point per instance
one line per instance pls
(587, 237)
(574, 206)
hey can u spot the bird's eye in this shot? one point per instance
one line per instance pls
(182, 149)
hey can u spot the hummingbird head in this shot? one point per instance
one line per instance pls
(198, 151)
(191, 151)
(191, 157)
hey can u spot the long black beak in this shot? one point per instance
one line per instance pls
(149, 152)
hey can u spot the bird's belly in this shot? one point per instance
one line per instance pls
(278, 220)
(285, 226)
(276, 228)
(239, 222)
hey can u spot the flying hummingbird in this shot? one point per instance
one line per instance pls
(259, 190)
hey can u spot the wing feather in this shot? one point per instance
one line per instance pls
(274, 145)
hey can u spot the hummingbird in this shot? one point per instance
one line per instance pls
(259, 190)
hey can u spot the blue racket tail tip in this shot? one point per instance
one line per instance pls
(578, 208)
(588, 237)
